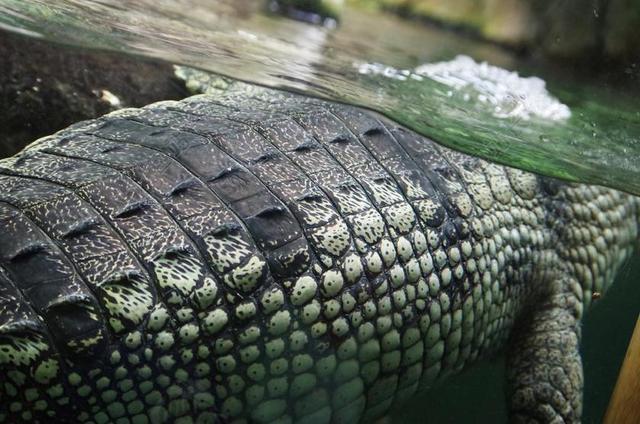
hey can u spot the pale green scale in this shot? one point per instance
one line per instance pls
(397, 276)
(348, 348)
(249, 354)
(164, 340)
(74, 379)
(301, 363)
(454, 255)
(404, 249)
(433, 238)
(277, 387)
(246, 310)
(232, 406)
(278, 366)
(413, 271)
(456, 320)
(434, 284)
(411, 293)
(331, 308)
(83, 390)
(279, 323)
(445, 302)
(453, 339)
(55, 391)
(434, 353)
(383, 324)
(370, 309)
(46, 371)
(352, 268)
(274, 348)
(419, 242)
(325, 366)
(215, 320)
(445, 276)
(397, 319)
(361, 246)
(365, 332)
(413, 354)
(247, 276)
(440, 257)
(236, 383)
(347, 393)
(390, 341)
(445, 324)
(382, 288)
(157, 319)
(346, 371)
(373, 262)
(167, 362)
(388, 252)
(226, 364)
(384, 305)
(311, 312)
(302, 384)
(318, 329)
(249, 335)
(133, 340)
(298, 340)
(340, 327)
(422, 289)
(189, 333)
(254, 394)
(390, 361)
(272, 300)
(370, 371)
(349, 302)
(223, 345)
(356, 318)
(399, 298)
(202, 369)
(303, 290)
(206, 294)
(331, 283)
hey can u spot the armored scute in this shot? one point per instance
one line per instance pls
(269, 257)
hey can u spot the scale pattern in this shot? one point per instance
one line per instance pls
(266, 257)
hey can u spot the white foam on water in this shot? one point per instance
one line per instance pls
(509, 94)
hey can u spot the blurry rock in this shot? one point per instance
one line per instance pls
(622, 38)
(577, 30)
(570, 29)
(45, 87)
(319, 12)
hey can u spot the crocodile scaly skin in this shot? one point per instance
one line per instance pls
(268, 257)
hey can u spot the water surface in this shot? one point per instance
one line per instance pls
(596, 139)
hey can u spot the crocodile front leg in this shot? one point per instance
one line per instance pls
(544, 369)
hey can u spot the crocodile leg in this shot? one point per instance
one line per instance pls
(544, 369)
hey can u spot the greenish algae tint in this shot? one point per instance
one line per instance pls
(593, 137)
(597, 143)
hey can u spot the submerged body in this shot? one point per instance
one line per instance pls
(268, 257)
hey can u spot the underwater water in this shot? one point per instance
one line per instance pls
(403, 69)
(465, 94)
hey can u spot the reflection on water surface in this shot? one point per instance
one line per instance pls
(598, 143)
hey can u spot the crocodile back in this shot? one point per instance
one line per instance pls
(266, 256)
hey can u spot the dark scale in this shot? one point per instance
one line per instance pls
(263, 256)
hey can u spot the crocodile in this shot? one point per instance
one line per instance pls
(263, 256)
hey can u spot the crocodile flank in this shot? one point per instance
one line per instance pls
(262, 256)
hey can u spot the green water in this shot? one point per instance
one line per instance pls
(594, 136)
(598, 141)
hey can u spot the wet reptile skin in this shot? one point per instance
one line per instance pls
(265, 257)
